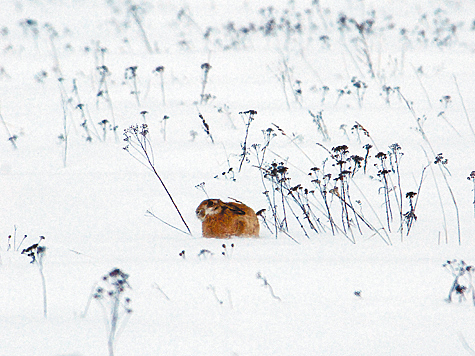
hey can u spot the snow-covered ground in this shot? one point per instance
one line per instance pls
(368, 72)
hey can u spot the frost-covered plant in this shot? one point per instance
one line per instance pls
(64, 136)
(206, 67)
(410, 216)
(86, 122)
(103, 92)
(472, 178)
(163, 129)
(439, 161)
(360, 88)
(104, 124)
(284, 76)
(139, 147)
(248, 117)
(462, 285)
(111, 293)
(341, 189)
(11, 138)
(206, 127)
(137, 13)
(395, 154)
(131, 76)
(321, 127)
(383, 174)
(31, 26)
(37, 254)
(275, 174)
(260, 153)
(202, 186)
(362, 47)
(160, 70)
(341, 93)
(315, 212)
(388, 91)
(367, 148)
(267, 285)
(322, 182)
(285, 200)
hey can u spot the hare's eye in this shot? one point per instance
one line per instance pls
(210, 204)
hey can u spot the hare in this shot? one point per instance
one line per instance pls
(223, 220)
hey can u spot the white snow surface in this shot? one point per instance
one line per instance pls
(90, 199)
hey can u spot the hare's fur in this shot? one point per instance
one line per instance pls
(223, 220)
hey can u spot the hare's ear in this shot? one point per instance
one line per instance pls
(211, 202)
(234, 209)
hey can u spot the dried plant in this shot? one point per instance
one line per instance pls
(160, 70)
(410, 216)
(131, 76)
(383, 173)
(267, 285)
(441, 163)
(37, 254)
(361, 44)
(321, 127)
(139, 147)
(248, 118)
(137, 13)
(111, 294)
(86, 122)
(11, 138)
(103, 92)
(205, 67)
(469, 122)
(206, 127)
(462, 285)
(472, 178)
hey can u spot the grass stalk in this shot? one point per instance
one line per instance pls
(464, 108)
(424, 136)
(64, 136)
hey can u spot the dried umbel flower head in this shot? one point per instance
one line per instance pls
(35, 251)
(115, 283)
(206, 67)
(224, 220)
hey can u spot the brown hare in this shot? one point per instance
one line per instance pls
(223, 220)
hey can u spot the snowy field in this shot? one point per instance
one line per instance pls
(350, 122)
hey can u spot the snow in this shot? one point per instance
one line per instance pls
(385, 294)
